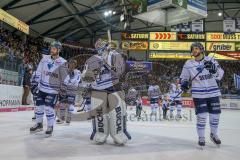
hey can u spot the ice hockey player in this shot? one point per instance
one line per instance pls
(154, 95)
(34, 93)
(49, 80)
(108, 66)
(165, 106)
(72, 81)
(205, 90)
(134, 99)
(176, 99)
(172, 102)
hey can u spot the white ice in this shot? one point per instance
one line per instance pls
(161, 140)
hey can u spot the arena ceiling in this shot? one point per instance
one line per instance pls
(82, 19)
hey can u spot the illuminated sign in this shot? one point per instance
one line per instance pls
(134, 36)
(159, 55)
(222, 56)
(188, 36)
(14, 22)
(134, 45)
(237, 46)
(216, 46)
(170, 36)
(171, 46)
(223, 37)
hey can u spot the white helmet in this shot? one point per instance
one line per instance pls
(101, 46)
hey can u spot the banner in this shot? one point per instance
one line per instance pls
(11, 99)
(236, 81)
(197, 26)
(171, 46)
(154, 4)
(134, 45)
(8, 77)
(185, 27)
(230, 104)
(229, 25)
(134, 36)
(190, 36)
(223, 37)
(14, 22)
(217, 46)
(160, 36)
(237, 46)
(135, 65)
(222, 56)
(237, 23)
(175, 28)
(162, 55)
(198, 6)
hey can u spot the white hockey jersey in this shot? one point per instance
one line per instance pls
(132, 96)
(50, 74)
(204, 85)
(106, 77)
(175, 92)
(72, 81)
(154, 91)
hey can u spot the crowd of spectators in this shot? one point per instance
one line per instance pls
(16, 54)
(165, 72)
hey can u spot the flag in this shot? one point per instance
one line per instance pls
(236, 81)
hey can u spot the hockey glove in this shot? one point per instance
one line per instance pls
(34, 88)
(185, 86)
(211, 67)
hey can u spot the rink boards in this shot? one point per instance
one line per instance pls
(11, 96)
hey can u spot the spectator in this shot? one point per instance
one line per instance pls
(26, 85)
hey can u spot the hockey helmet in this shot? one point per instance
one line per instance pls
(101, 45)
(56, 44)
(198, 45)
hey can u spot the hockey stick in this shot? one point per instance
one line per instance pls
(191, 80)
(80, 110)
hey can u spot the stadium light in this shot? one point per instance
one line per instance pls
(219, 14)
(109, 13)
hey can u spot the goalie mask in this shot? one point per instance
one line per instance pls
(197, 45)
(101, 46)
(56, 44)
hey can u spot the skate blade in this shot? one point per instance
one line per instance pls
(59, 122)
(217, 145)
(38, 130)
(47, 135)
(200, 147)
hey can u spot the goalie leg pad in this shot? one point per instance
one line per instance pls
(100, 122)
(117, 118)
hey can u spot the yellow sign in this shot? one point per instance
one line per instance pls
(223, 37)
(134, 45)
(190, 36)
(163, 36)
(158, 55)
(14, 22)
(216, 46)
(134, 36)
(171, 46)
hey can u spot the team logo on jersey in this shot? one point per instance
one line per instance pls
(200, 68)
(50, 65)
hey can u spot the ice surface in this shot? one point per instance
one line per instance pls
(161, 140)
